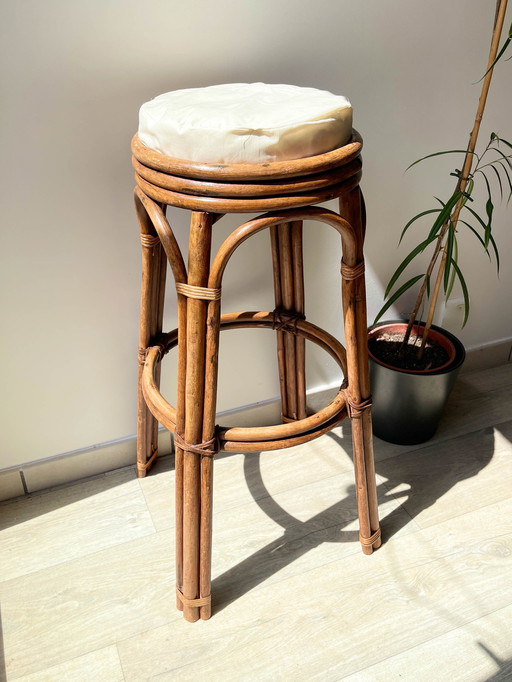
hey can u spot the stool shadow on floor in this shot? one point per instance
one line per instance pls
(297, 539)
(422, 476)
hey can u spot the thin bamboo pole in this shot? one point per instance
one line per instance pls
(451, 223)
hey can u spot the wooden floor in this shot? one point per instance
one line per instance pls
(87, 570)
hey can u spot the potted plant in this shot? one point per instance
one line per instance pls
(413, 364)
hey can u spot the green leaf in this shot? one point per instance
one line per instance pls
(499, 181)
(465, 292)
(416, 251)
(492, 241)
(449, 252)
(503, 156)
(489, 207)
(508, 179)
(456, 259)
(500, 139)
(450, 151)
(475, 214)
(428, 285)
(412, 220)
(476, 235)
(397, 295)
(444, 214)
(500, 54)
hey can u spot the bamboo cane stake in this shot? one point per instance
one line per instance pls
(501, 8)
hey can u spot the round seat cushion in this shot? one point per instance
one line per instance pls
(245, 123)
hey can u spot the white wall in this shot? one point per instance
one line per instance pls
(73, 76)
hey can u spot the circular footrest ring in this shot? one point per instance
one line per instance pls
(253, 439)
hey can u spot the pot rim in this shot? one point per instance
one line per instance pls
(449, 342)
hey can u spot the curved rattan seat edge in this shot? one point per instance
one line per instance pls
(247, 171)
(248, 189)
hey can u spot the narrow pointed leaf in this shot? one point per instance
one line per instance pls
(444, 214)
(450, 151)
(456, 259)
(489, 207)
(449, 252)
(500, 54)
(465, 292)
(476, 235)
(416, 251)
(420, 215)
(397, 295)
(508, 179)
(503, 156)
(499, 181)
(500, 139)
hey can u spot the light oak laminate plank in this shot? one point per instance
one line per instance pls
(66, 523)
(337, 618)
(101, 666)
(73, 608)
(480, 650)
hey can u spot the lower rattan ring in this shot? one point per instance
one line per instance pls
(253, 439)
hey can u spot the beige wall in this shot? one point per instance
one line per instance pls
(73, 76)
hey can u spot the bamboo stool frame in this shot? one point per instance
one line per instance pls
(287, 193)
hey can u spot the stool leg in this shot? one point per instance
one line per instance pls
(354, 305)
(154, 266)
(196, 475)
(286, 240)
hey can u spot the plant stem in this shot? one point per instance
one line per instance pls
(451, 223)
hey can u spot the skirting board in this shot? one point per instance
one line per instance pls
(42, 474)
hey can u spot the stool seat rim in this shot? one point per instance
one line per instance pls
(247, 171)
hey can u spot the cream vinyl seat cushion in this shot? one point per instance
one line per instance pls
(245, 123)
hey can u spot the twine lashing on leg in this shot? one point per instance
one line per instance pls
(208, 448)
(286, 320)
(200, 293)
(149, 240)
(201, 601)
(368, 542)
(147, 465)
(356, 409)
(350, 272)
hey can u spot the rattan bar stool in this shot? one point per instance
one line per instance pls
(286, 192)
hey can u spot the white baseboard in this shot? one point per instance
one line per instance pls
(61, 469)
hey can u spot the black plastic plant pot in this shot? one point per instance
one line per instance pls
(408, 405)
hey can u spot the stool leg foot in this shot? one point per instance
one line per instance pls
(286, 240)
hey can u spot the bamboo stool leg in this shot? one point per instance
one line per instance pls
(358, 392)
(154, 266)
(197, 474)
(287, 259)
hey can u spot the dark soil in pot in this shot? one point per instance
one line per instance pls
(389, 348)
